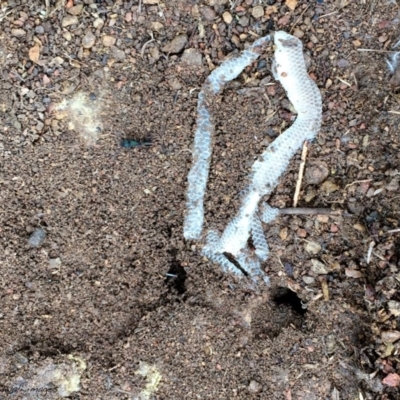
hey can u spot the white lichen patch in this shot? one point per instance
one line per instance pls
(83, 115)
(153, 378)
(65, 377)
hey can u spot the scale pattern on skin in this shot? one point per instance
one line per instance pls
(290, 70)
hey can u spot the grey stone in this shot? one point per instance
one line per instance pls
(176, 44)
(192, 57)
(37, 237)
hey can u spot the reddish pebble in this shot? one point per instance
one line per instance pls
(384, 24)
(370, 293)
(334, 228)
(284, 20)
(301, 233)
(271, 90)
(382, 264)
(387, 368)
(392, 380)
(46, 80)
(128, 17)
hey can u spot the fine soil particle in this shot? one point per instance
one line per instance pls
(101, 297)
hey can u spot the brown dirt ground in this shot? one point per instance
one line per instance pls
(97, 287)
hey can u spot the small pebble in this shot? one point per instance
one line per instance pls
(37, 237)
(255, 387)
(258, 12)
(18, 32)
(283, 21)
(192, 57)
(208, 13)
(157, 26)
(176, 45)
(75, 10)
(261, 64)
(328, 84)
(313, 247)
(235, 40)
(308, 280)
(54, 263)
(334, 228)
(175, 84)
(128, 17)
(98, 23)
(353, 273)
(244, 21)
(227, 17)
(382, 38)
(288, 269)
(298, 33)
(318, 267)
(88, 40)
(301, 233)
(342, 63)
(21, 359)
(316, 173)
(69, 20)
(390, 336)
(324, 219)
(108, 40)
(39, 30)
(329, 187)
(117, 53)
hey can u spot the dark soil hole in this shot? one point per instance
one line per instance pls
(176, 277)
(289, 298)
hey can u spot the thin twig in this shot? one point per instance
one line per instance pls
(298, 19)
(394, 230)
(355, 80)
(355, 182)
(310, 211)
(17, 75)
(370, 248)
(343, 81)
(327, 15)
(144, 46)
(394, 112)
(376, 51)
(47, 8)
(301, 173)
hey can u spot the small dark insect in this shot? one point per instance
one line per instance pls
(130, 143)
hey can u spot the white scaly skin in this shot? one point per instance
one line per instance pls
(290, 69)
(202, 149)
